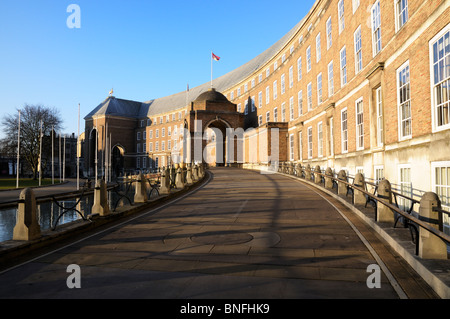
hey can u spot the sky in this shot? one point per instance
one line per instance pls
(142, 49)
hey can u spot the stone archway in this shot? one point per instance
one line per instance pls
(117, 160)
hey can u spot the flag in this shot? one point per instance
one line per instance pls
(215, 57)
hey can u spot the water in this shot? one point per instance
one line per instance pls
(48, 213)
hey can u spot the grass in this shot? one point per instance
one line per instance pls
(10, 183)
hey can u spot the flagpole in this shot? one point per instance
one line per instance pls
(211, 69)
(53, 158)
(40, 158)
(78, 145)
(64, 159)
(18, 155)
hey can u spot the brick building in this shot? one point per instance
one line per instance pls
(359, 85)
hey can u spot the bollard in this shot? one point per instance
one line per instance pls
(189, 180)
(201, 172)
(140, 194)
(328, 178)
(317, 177)
(342, 187)
(384, 213)
(430, 246)
(100, 206)
(179, 179)
(27, 226)
(358, 197)
(308, 172)
(298, 170)
(195, 173)
(164, 187)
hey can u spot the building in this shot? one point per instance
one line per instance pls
(356, 85)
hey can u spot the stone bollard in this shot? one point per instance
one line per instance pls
(342, 187)
(179, 179)
(189, 180)
(298, 170)
(100, 206)
(317, 177)
(308, 172)
(201, 171)
(430, 246)
(328, 178)
(27, 226)
(358, 197)
(384, 213)
(195, 173)
(164, 186)
(140, 195)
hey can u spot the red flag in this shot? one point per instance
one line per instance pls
(215, 57)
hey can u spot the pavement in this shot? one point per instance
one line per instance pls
(240, 235)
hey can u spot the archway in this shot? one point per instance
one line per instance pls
(117, 161)
(215, 148)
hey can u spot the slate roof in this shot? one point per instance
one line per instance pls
(114, 106)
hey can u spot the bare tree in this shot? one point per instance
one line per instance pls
(30, 129)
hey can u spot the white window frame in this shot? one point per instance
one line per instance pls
(320, 139)
(341, 18)
(318, 48)
(329, 30)
(331, 136)
(291, 108)
(300, 102)
(300, 145)
(343, 66)
(344, 131)
(150, 147)
(275, 114)
(357, 40)
(299, 69)
(445, 105)
(268, 116)
(291, 147)
(376, 28)
(440, 189)
(267, 95)
(399, 12)
(319, 89)
(308, 59)
(330, 78)
(283, 83)
(380, 118)
(309, 96)
(283, 112)
(359, 119)
(291, 77)
(401, 134)
(275, 93)
(260, 103)
(376, 176)
(405, 187)
(310, 143)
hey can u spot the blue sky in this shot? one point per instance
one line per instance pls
(142, 49)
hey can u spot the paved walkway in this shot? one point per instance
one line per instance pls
(242, 235)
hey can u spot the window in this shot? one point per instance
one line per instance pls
(380, 124)
(283, 84)
(138, 137)
(138, 147)
(252, 100)
(319, 139)
(291, 147)
(245, 88)
(319, 88)
(283, 58)
(358, 50)
(404, 101)
(267, 72)
(157, 133)
(376, 28)
(330, 79)
(300, 146)
(318, 51)
(405, 186)
(169, 131)
(150, 147)
(341, 20)
(267, 116)
(440, 73)
(441, 186)
(267, 95)
(308, 59)
(239, 107)
(309, 88)
(260, 78)
(138, 162)
(343, 56)
(163, 132)
(167, 118)
(260, 120)
(275, 114)
(299, 69)
(169, 145)
(148, 122)
(291, 76)
(359, 124)
(291, 49)
(144, 162)
(401, 13)
(275, 89)
(275, 65)
(378, 173)
(144, 135)
(331, 136)
(239, 92)
(329, 34)
(246, 107)
(156, 162)
(310, 143)
(283, 112)
(291, 108)
(163, 145)
(344, 131)
(300, 102)
(156, 146)
(260, 99)
(144, 147)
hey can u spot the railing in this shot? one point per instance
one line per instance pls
(414, 223)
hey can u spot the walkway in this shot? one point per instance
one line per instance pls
(242, 235)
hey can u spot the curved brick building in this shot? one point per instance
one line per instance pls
(359, 85)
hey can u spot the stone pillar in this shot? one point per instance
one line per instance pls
(299, 170)
(27, 226)
(201, 172)
(328, 178)
(195, 173)
(308, 172)
(430, 246)
(164, 188)
(342, 187)
(384, 213)
(179, 179)
(317, 177)
(140, 195)
(359, 198)
(189, 180)
(100, 206)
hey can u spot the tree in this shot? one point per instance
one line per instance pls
(30, 129)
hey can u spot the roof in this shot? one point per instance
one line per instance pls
(181, 100)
